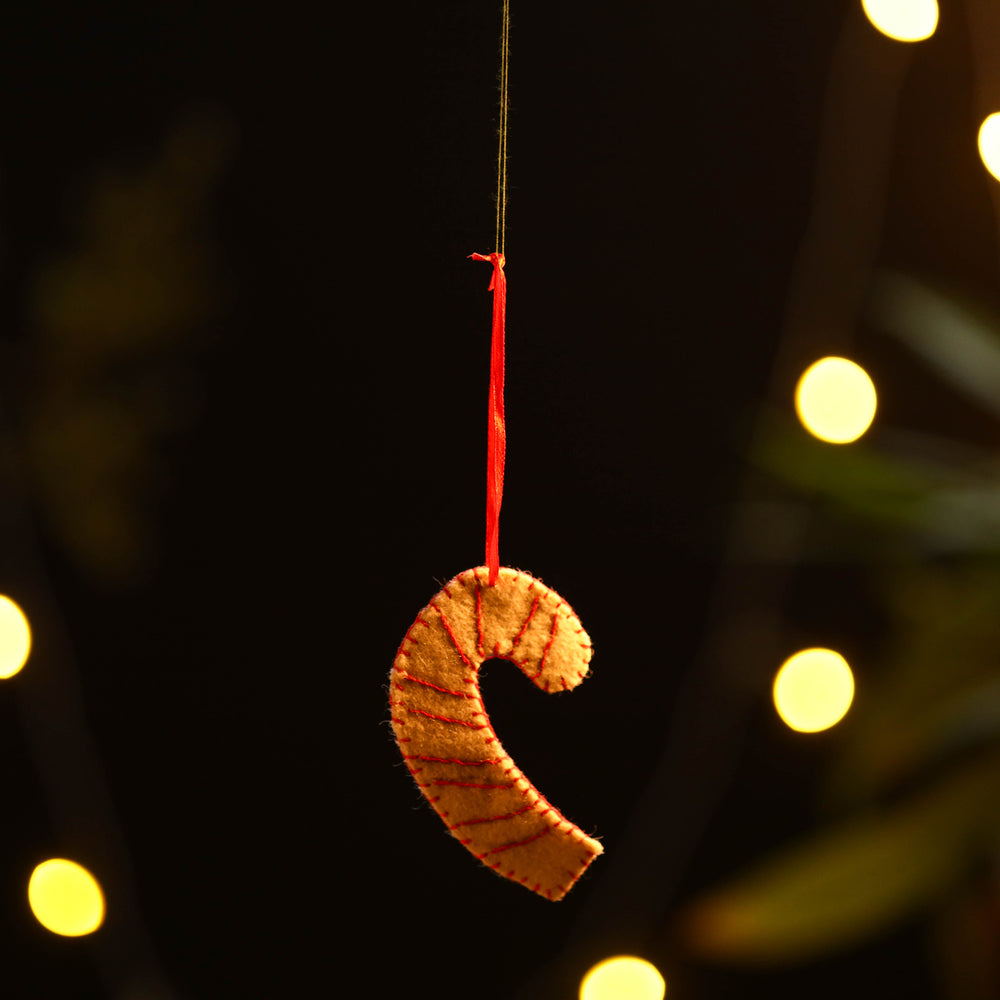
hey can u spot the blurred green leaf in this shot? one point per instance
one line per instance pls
(958, 339)
(936, 691)
(851, 882)
(116, 321)
(860, 479)
(944, 506)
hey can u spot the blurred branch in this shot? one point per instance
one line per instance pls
(838, 250)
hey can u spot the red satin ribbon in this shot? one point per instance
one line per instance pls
(497, 433)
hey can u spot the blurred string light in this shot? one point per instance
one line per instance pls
(903, 20)
(623, 977)
(15, 638)
(835, 400)
(813, 690)
(65, 898)
(989, 143)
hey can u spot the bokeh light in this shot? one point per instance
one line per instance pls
(623, 977)
(15, 638)
(835, 400)
(989, 143)
(813, 690)
(65, 898)
(903, 20)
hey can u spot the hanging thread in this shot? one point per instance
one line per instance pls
(496, 448)
(502, 145)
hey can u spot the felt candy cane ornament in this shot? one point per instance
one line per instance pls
(490, 612)
(445, 735)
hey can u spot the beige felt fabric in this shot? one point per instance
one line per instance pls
(445, 735)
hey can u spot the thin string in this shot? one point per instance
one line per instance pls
(502, 146)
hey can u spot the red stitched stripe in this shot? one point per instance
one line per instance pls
(418, 680)
(444, 622)
(493, 819)
(444, 718)
(453, 760)
(548, 645)
(467, 784)
(518, 843)
(524, 627)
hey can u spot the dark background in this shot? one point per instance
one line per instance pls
(231, 775)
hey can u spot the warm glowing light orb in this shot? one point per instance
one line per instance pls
(835, 400)
(989, 143)
(15, 638)
(903, 20)
(65, 898)
(813, 690)
(623, 977)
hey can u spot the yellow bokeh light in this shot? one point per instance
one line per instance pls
(989, 143)
(65, 898)
(813, 690)
(835, 400)
(15, 638)
(903, 20)
(623, 977)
